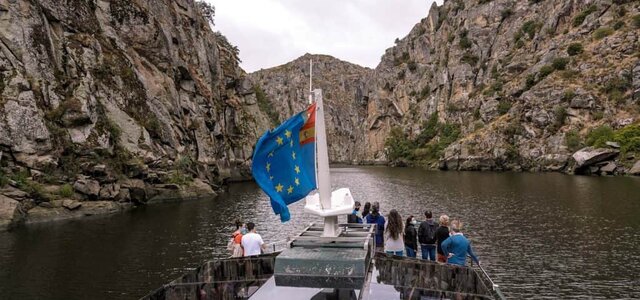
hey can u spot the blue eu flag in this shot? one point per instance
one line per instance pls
(284, 161)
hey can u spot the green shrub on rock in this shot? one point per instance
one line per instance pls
(579, 19)
(560, 63)
(545, 71)
(66, 191)
(599, 136)
(398, 145)
(629, 138)
(572, 140)
(602, 32)
(574, 49)
(636, 21)
(503, 107)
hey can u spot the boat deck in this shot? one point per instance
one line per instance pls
(389, 277)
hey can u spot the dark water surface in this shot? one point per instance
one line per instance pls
(539, 235)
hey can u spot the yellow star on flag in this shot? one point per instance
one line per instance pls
(297, 181)
(291, 143)
(297, 169)
(287, 133)
(271, 154)
(290, 190)
(279, 188)
(279, 140)
(271, 177)
(268, 167)
(293, 154)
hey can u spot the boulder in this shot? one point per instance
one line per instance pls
(609, 168)
(124, 195)
(613, 145)
(45, 204)
(137, 190)
(635, 170)
(88, 187)
(99, 170)
(589, 156)
(582, 101)
(71, 204)
(14, 193)
(110, 191)
(9, 212)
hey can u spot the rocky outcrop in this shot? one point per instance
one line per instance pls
(95, 92)
(588, 157)
(510, 79)
(285, 89)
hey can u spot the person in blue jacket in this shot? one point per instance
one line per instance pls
(457, 246)
(376, 218)
(354, 217)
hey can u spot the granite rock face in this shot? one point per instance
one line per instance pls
(514, 80)
(105, 90)
(286, 89)
(514, 77)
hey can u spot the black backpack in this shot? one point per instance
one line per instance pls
(427, 233)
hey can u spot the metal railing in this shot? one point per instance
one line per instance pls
(494, 286)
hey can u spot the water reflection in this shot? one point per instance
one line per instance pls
(540, 235)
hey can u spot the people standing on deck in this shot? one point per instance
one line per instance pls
(375, 218)
(354, 217)
(457, 246)
(252, 242)
(393, 234)
(411, 237)
(235, 244)
(366, 210)
(442, 233)
(427, 237)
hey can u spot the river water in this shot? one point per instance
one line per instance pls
(538, 235)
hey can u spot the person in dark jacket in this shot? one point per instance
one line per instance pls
(442, 233)
(427, 237)
(376, 218)
(354, 217)
(411, 237)
(366, 210)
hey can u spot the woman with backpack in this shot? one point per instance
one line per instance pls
(427, 237)
(442, 233)
(411, 237)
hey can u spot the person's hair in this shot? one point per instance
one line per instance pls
(428, 214)
(375, 209)
(356, 204)
(444, 220)
(366, 209)
(456, 226)
(250, 226)
(238, 223)
(394, 225)
(408, 221)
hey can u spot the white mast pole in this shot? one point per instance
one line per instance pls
(310, 81)
(324, 178)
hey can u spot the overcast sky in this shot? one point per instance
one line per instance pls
(274, 32)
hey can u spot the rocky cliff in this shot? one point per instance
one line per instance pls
(109, 104)
(284, 91)
(504, 84)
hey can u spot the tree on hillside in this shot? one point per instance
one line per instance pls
(207, 10)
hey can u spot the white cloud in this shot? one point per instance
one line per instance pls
(274, 32)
